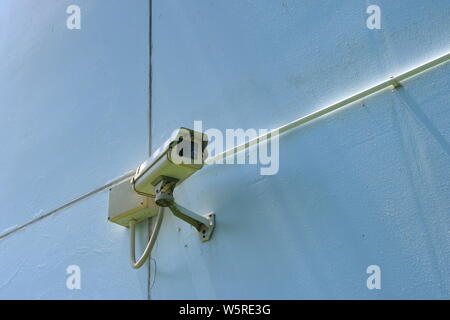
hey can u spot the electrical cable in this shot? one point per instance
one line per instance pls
(151, 241)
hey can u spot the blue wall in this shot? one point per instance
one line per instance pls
(73, 115)
(366, 185)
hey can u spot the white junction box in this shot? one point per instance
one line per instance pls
(125, 205)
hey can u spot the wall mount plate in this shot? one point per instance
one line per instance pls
(206, 232)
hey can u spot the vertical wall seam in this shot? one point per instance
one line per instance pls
(150, 77)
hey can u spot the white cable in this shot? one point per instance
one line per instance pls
(392, 81)
(151, 241)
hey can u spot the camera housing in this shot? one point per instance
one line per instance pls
(151, 190)
(179, 157)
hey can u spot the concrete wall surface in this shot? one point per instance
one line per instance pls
(366, 185)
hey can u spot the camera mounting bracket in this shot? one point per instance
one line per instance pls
(204, 224)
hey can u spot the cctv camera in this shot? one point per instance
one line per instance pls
(179, 157)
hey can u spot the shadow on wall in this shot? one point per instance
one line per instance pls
(418, 113)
